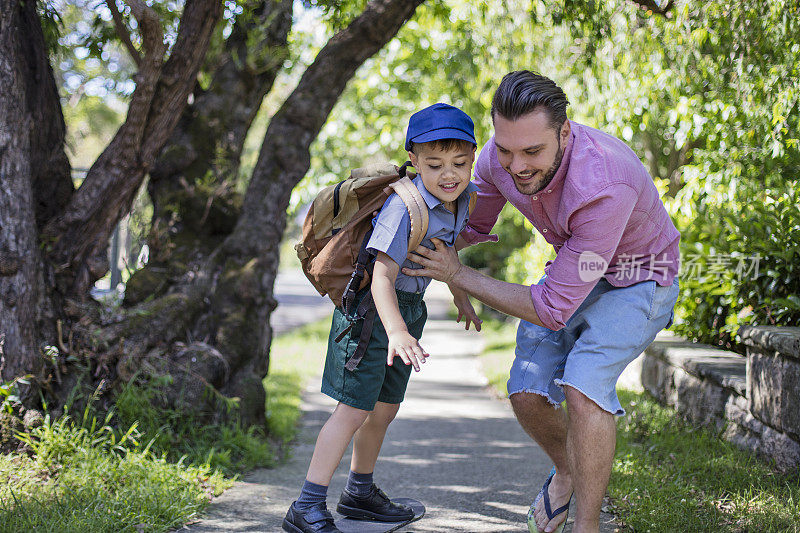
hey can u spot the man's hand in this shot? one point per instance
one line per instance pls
(441, 264)
(465, 309)
(404, 345)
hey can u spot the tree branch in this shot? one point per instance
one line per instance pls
(225, 111)
(194, 36)
(81, 232)
(150, 24)
(122, 32)
(284, 158)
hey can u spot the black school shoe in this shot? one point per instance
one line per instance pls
(317, 519)
(375, 506)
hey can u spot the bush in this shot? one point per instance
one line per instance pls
(740, 199)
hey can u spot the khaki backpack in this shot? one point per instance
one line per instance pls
(339, 223)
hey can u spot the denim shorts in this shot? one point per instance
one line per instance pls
(372, 380)
(611, 328)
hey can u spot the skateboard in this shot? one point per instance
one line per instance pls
(350, 525)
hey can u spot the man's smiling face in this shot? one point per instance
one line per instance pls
(530, 149)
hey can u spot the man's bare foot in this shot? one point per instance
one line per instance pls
(560, 492)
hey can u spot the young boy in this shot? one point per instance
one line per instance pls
(441, 145)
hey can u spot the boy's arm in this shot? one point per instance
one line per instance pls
(464, 306)
(461, 298)
(401, 342)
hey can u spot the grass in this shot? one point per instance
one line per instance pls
(142, 468)
(84, 475)
(295, 358)
(183, 436)
(669, 476)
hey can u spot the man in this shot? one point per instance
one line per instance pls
(610, 289)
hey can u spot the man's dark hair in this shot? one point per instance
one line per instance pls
(522, 92)
(445, 145)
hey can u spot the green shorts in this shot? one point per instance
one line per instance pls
(372, 380)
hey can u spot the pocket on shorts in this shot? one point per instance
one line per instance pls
(651, 294)
(671, 298)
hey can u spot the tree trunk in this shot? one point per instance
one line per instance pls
(81, 231)
(192, 184)
(53, 240)
(34, 184)
(212, 328)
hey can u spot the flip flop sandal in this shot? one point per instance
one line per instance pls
(532, 527)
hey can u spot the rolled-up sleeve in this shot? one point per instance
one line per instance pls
(489, 204)
(596, 229)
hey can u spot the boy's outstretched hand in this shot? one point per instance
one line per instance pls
(405, 346)
(465, 309)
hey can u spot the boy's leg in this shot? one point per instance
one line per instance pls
(332, 441)
(361, 498)
(367, 444)
(309, 513)
(368, 439)
(357, 391)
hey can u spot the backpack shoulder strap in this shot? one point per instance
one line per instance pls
(417, 210)
(473, 199)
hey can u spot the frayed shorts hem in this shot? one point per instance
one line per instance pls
(618, 411)
(556, 404)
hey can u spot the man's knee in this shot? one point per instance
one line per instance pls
(579, 405)
(525, 403)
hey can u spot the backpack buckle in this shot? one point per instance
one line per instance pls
(351, 289)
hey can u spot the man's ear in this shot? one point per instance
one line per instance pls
(566, 129)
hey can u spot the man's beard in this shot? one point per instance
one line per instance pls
(532, 188)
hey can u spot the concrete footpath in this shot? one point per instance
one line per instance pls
(454, 446)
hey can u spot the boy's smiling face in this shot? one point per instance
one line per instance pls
(445, 173)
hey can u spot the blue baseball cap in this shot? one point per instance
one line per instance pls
(439, 121)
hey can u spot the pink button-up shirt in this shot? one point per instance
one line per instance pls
(601, 212)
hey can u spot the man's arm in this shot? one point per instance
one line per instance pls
(596, 228)
(401, 342)
(442, 264)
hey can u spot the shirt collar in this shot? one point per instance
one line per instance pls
(429, 198)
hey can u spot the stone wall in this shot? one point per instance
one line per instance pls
(753, 400)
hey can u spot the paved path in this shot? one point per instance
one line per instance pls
(299, 302)
(453, 446)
